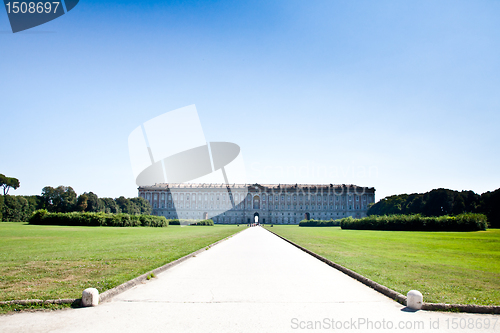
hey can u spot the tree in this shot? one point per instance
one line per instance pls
(7, 183)
(127, 206)
(458, 205)
(110, 206)
(81, 202)
(94, 204)
(415, 204)
(438, 202)
(143, 205)
(434, 203)
(16, 209)
(490, 205)
(60, 199)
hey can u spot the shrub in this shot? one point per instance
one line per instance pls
(319, 223)
(190, 222)
(37, 216)
(96, 219)
(462, 222)
(204, 222)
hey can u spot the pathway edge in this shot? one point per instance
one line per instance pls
(394, 295)
(110, 293)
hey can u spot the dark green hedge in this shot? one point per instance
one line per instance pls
(462, 222)
(190, 222)
(319, 223)
(97, 219)
(204, 222)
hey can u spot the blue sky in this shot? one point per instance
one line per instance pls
(402, 96)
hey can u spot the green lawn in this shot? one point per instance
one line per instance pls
(450, 267)
(50, 262)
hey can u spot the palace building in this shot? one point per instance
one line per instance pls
(244, 203)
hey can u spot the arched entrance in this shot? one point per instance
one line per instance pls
(205, 216)
(256, 218)
(307, 216)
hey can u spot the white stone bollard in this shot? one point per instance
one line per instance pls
(90, 297)
(414, 299)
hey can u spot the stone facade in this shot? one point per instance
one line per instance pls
(241, 203)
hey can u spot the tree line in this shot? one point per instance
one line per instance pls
(440, 202)
(63, 199)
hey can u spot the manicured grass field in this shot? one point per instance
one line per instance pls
(447, 267)
(50, 262)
